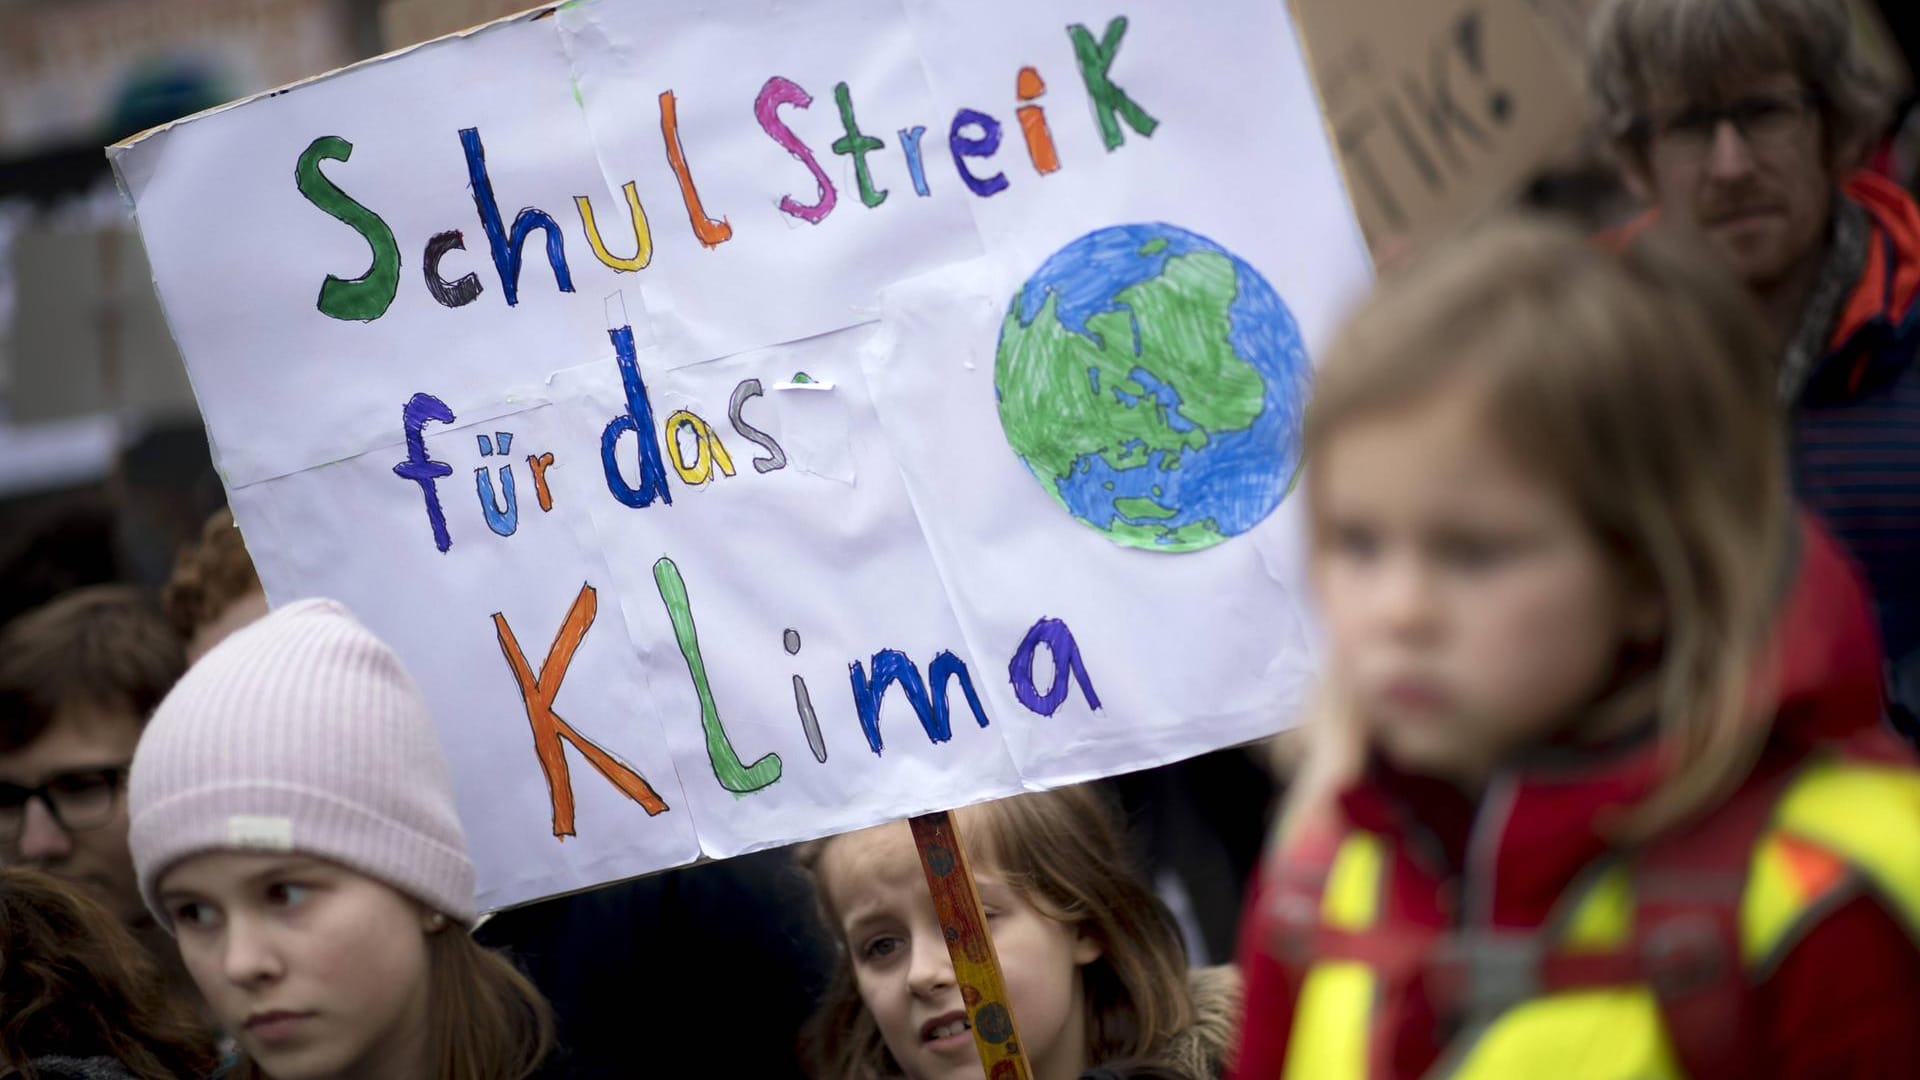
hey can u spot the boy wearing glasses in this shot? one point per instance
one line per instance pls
(1742, 123)
(78, 678)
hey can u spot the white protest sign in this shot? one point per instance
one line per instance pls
(767, 421)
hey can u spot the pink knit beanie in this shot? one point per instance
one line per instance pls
(300, 733)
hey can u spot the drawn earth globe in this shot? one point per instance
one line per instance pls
(1154, 382)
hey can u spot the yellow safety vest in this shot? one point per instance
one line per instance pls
(1838, 828)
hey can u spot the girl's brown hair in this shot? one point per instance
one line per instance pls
(75, 983)
(208, 576)
(1641, 385)
(1062, 851)
(485, 1021)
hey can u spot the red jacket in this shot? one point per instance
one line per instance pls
(1890, 281)
(1843, 1002)
(1856, 423)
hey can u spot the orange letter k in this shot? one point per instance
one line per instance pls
(549, 728)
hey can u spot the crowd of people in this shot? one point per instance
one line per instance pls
(1616, 544)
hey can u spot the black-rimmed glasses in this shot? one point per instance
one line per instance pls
(79, 800)
(1764, 122)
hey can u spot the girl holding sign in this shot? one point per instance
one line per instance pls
(1599, 786)
(293, 825)
(1095, 969)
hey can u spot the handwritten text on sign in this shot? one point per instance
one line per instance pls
(973, 138)
(698, 452)
(704, 395)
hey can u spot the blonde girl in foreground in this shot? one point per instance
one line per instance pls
(1599, 786)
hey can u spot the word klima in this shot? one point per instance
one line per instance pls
(973, 137)
(928, 696)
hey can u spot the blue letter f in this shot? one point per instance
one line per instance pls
(418, 467)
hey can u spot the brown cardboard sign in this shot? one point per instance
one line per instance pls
(1441, 109)
(410, 22)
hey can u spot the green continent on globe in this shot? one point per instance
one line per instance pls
(1066, 396)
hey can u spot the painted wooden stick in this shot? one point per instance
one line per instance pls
(956, 901)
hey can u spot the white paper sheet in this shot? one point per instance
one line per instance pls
(1170, 643)
(842, 565)
(728, 67)
(240, 255)
(356, 532)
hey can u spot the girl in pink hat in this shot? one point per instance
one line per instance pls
(293, 824)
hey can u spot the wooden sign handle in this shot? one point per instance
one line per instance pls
(976, 967)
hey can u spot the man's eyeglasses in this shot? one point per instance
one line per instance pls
(1764, 122)
(79, 800)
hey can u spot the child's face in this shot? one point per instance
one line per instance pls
(318, 971)
(1470, 609)
(874, 884)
